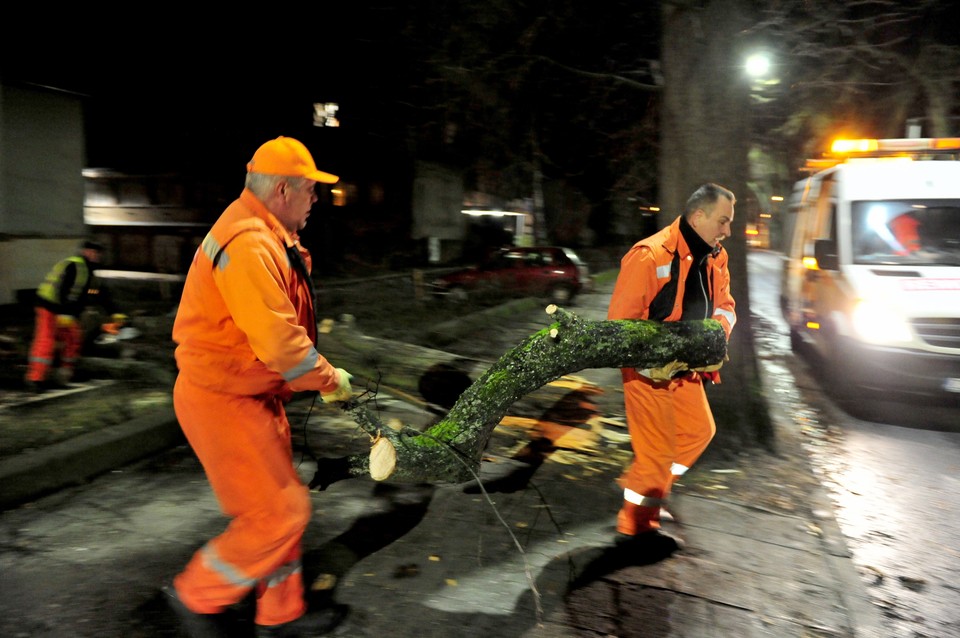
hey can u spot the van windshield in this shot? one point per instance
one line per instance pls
(914, 232)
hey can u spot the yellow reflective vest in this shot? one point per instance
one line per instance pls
(66, 287)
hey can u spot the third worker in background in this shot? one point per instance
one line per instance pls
(246, 342)
(67, 290)
(677, 274)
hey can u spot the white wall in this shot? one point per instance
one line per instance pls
(437, 202)
(25, 262)
(42, 153)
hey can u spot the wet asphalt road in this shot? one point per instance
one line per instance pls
(895, 482)
(88, 560)
(83, 562)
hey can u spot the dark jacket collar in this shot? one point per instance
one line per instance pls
(698, 248)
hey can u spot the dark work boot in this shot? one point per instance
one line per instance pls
(34, 387)
(193, 624)
(318, 622)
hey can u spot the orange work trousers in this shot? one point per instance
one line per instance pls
(47, 335)
(244, 445)
(670, 425)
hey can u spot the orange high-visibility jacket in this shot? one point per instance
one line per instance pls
(246, 322)
(645, 269)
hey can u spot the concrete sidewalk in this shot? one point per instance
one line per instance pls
(531, 555)
(527, 550)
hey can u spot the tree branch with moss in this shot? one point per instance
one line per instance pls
(451, 450)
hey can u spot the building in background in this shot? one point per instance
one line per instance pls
(42, 154)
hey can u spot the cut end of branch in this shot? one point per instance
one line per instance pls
(383, 459)
(552, 308)
(554, 333)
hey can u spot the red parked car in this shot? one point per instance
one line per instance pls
(553, 272)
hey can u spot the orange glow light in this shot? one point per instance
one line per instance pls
(853, 146)
(946, 142)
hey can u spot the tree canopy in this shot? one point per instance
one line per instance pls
(575, 90)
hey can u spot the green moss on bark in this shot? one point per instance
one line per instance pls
(451, 450)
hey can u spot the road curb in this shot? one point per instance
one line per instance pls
(76, 460)
(864, 617)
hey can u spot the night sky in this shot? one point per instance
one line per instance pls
(168, 89)
(170, 94)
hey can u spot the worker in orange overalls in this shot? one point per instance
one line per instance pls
(60, 300)
(678, 273)
(246, 334)
(906, 231)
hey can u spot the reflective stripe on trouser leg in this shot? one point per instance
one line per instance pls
(638, 513)
(695, 426)
(72, 339)
(282, 589)
(670, 425)
(639, 499)
(244, 446)
(44, 346)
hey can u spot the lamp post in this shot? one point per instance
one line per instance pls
(759, 68)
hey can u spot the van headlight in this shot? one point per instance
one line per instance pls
(876, 322)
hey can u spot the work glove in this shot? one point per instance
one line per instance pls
(664, 373)
(710, 368)
(710, 373)
(344, 391)
(66, 321)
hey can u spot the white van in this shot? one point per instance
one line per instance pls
(871, 278)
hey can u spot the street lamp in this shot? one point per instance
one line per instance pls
(758, 65)
(761, 82)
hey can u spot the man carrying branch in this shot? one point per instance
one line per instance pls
(246, 342)
(679, 273)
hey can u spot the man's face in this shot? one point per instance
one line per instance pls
(297, 203)
(714, 227)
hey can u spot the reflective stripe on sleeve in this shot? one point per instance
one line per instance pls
(731, 318)
(663, 271)
(309, 363)
(211, 248)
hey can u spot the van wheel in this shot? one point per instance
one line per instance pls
(838, 376)
(859, 402)
(796, 342)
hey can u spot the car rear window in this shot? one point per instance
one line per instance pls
(572, 256)
(536, 258)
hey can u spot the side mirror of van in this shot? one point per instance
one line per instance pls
(825, 250)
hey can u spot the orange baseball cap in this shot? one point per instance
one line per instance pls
(287, 156)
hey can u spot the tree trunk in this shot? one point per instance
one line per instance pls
(705, 138)
(451, 450)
